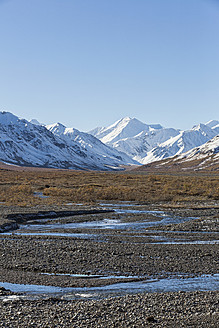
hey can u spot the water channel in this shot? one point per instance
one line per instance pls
(135, 229)
(138, 228)
(205, 282)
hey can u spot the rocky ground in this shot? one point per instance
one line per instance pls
(191, 309)
(24, 259)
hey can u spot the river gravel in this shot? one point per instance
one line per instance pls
(127, 254)
(191, 309)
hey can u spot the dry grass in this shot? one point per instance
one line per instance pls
(18, 187)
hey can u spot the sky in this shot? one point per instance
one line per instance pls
(88, 63)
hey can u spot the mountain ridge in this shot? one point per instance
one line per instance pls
(26, 144)
(203, 158)
(128, 141)
(153, 142)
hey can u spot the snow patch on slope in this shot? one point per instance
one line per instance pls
(147, 143)
(89, 143)
(24, 143)
(124, 128)
(185, 141)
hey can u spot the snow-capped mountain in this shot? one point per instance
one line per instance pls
(126, 142)
(183, 142)
(133, 137)
(148, 143)
(125, 128)
(88, 142)
(34, 121)
(24, 143)
(210, 148)
(205, 157)
(139, 146)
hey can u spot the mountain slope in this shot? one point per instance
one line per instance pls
(205, 157)
(27, 144)
(125, 128)
(147, 143)
(183, 142)
(139, 146)
(87, 142)
(133, 137)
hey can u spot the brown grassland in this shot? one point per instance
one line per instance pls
(17, 186)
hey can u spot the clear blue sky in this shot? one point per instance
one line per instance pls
(87, 63)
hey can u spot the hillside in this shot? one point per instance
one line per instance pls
(203, 158)
(26, 144)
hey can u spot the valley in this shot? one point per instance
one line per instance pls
(109, 164)
(125, 242)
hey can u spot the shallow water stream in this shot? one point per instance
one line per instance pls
(137, 227)
(205, 282)
(124, 231)
(111, 224)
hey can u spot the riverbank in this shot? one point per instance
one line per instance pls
(135, 243)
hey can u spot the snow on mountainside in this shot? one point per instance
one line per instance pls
(183, 142)
(125, 128)
(88, 143)
(24, 143)
(126, 142)
(147, 143)
(205, 157)
(139, 146)
(211, 148)
(34, 121)
(133, 137)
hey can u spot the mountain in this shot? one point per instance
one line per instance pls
(133, 137)
(138, 146)
(148, 143)
(125, 128)
(183, 142)
(205, 157)
(26, 144)
(126, 142)
(209, 149)
(34, 121)
(88, 142)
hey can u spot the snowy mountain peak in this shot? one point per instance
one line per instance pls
(34, 121)
(57, 128)
(211, 146)
(123, 122)
(124, 128)
(151, 142)
(200, 126)
(203, 129)
(206, 156)
(125, 119)
(87, 142)
(24, 143)
(8, 118)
